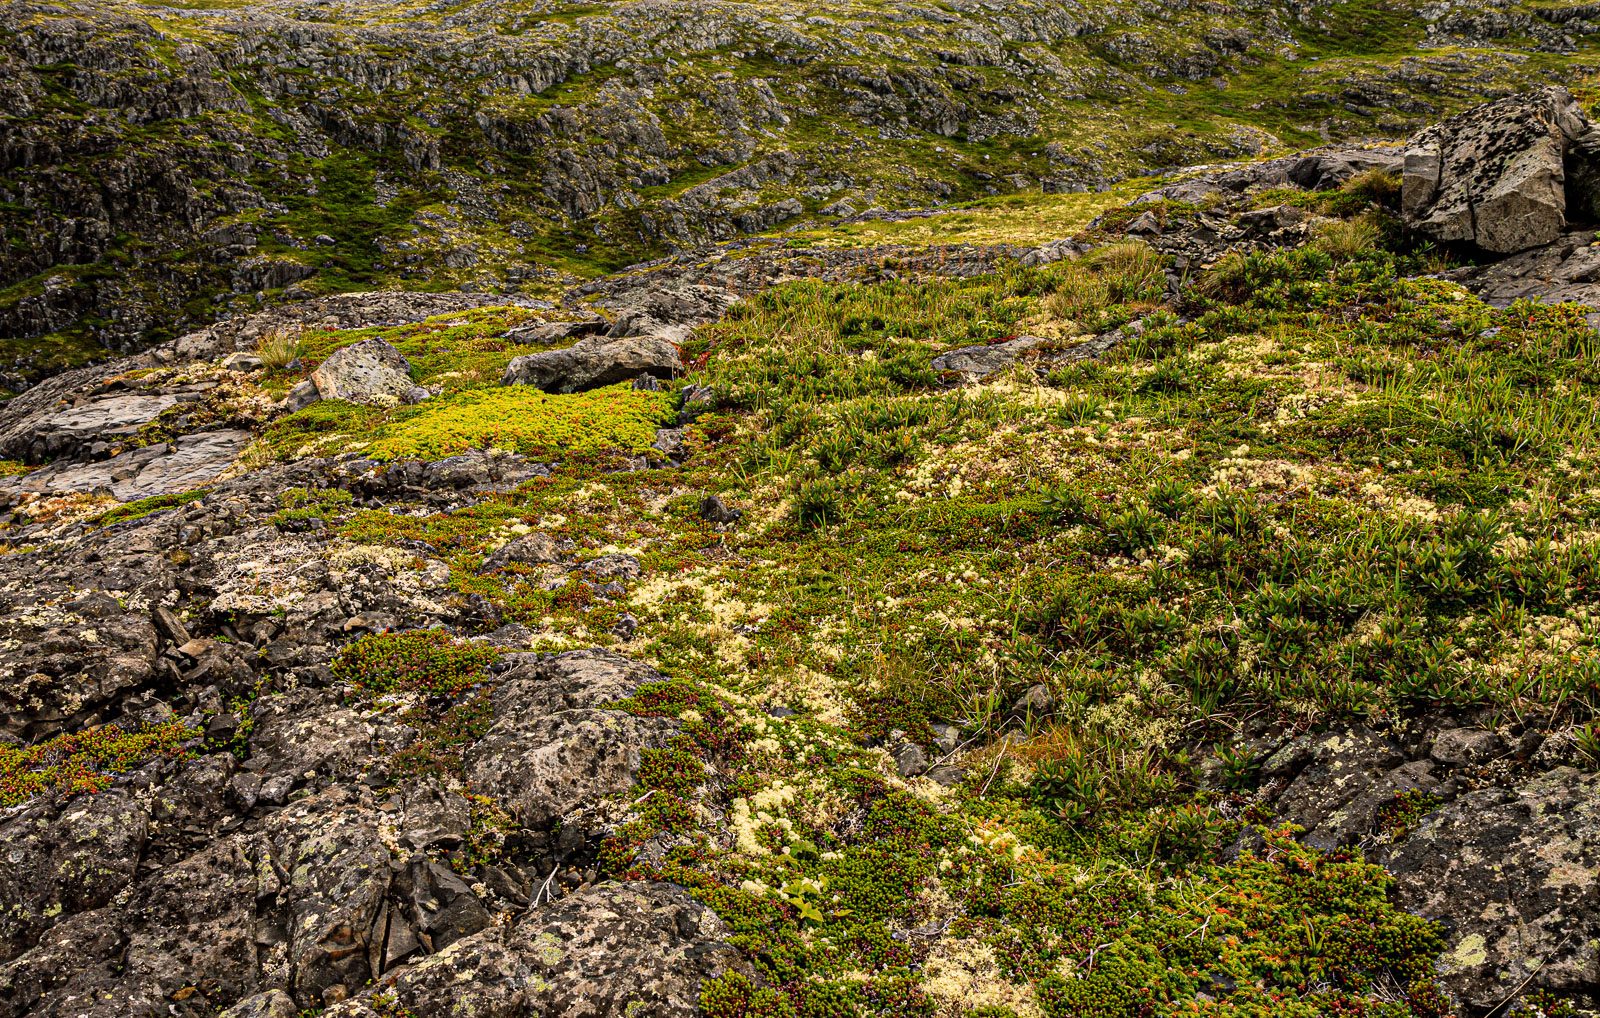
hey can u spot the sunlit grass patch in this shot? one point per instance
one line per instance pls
(1012, 219)
(514, 418)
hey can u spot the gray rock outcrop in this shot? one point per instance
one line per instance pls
(972, 363)
(591, 363)
(1515, 877)
(612, 950)
(1497, 176)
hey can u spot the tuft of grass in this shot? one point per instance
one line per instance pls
(1125, 272)
(279, 348)
(1132, 270)
(1080, 298)
(1378, 186)
(1346, 239)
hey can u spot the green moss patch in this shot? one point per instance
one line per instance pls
(145, 506)
(525, 420)
(86, 761)
(423, 660)
(459, 350)
(516, 418)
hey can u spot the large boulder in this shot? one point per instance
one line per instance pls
(546, 766)
(1514, 877)
(370, 371)
(670, 312)
(1500, 175)
(593, 362)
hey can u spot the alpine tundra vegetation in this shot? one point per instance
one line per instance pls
(966, 510)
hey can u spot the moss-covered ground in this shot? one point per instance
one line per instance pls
(1316, 489)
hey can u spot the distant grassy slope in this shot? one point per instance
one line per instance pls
(168, 164)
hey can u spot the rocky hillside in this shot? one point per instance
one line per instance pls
(1195, 616)
(167, 166)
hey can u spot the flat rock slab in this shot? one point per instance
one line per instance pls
(49, 432)
(1321, 171)
(1566, 270)
(591, 363)
(181, 465)
(975, 362)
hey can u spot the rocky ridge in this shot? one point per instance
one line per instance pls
(167, 166)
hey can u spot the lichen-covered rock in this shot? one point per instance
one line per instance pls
(1495, 176)
(529, 549)
(64, 858)
(64, 662)
(272, 1004)
(338, 878)
(609, 951)
(1514, 876)
(594, 362)
(550, 750)
(367, 372)
(543, 767)
(187, 923)
(1334, 785)
(670, 944)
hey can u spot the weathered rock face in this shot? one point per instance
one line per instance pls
(1320, 171)
(591, 363)
(71, 858)
(1498, 175)
(1567, 269)
(365, 372)
(551, 749)
(1337, 783)
(1514, 874)
(611, 951)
